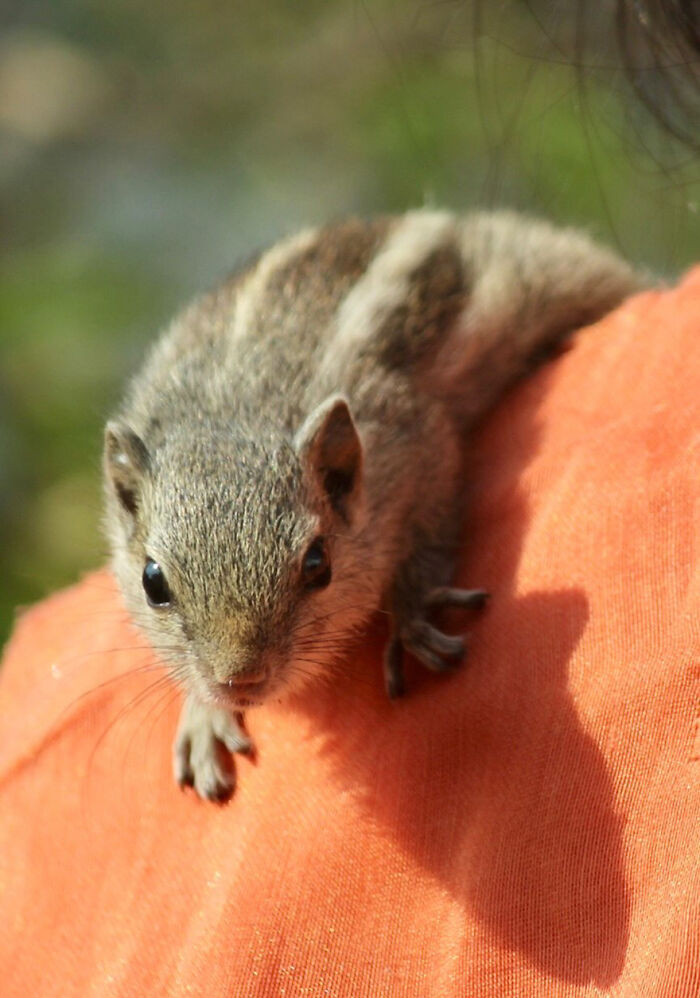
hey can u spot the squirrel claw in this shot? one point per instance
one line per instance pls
(211, 774)
(206, 739)
(464, 599)
(393, 669)
(437, 651)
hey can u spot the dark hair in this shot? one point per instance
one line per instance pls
(659, 43)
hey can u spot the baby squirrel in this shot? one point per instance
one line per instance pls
(290, 458)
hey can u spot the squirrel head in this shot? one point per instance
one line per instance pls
(237, 553)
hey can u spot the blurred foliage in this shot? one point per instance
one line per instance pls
(145, 148)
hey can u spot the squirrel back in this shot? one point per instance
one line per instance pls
(463, 304)
(467, 305)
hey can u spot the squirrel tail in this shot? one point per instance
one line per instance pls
(530, 287)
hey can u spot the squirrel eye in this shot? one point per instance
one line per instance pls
(154, 584)
(316, 566)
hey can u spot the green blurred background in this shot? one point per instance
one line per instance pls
(146, 147)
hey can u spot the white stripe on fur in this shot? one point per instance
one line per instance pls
(385, 285)
(253, 290)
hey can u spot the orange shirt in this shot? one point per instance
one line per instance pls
(529, 826)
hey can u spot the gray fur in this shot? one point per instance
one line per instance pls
(307, 397)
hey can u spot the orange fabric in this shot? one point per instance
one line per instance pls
(528, 826)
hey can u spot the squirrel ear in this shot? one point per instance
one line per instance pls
(329, 445)
(126, 462)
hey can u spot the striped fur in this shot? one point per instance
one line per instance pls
(235, 460)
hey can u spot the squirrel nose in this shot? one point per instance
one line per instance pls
(246, 676)
(234, 669)
(245, 686)
(246, 679)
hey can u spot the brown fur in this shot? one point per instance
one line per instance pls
(306, 398)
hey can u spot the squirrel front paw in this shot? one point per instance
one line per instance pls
(436, 650)
(206, 739)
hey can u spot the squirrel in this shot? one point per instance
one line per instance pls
(290, 458)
